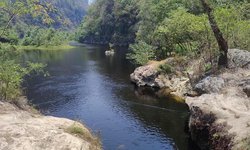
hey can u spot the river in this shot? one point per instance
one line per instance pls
(87, 86)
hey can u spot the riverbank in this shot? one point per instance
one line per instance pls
(23, 128)
(59, 47)
(219, 102)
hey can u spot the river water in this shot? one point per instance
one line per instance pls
(87, 86)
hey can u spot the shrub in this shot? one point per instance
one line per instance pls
(141, 53)
(165, 69)
(12, 72)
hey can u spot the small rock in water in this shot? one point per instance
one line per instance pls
(109, 52)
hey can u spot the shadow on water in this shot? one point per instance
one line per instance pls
(86, 85)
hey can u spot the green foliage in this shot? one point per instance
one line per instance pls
(235, 26)
(208, 67)
(109, 21)
(177, 26)
(182, 32)
(141, 53)
(49, 37)
(12, 72)
(165, 69)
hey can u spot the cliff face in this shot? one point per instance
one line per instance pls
(21, 129)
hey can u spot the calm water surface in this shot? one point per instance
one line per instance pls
(86, 85)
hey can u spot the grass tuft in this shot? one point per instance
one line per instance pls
(77, 129)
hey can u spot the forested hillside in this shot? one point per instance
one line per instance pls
(66, 14)
(40, 23)
(165, 26)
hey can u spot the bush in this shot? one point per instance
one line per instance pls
(44, 37)
(12, 73)
(165, 69)
(141, 53)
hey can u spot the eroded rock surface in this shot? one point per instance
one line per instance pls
(210, 85)
(22, 130)
(224, 103)
(227, 99)
(149, 75)
(239, 58)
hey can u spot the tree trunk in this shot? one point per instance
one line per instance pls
(222, 43)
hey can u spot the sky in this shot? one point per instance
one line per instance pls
(91, 1)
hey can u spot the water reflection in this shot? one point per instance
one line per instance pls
(89, 86)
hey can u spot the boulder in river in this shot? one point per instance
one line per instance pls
(109, 52)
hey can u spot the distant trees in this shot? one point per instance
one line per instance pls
(110, 21)
(37, 36)
(179, 26)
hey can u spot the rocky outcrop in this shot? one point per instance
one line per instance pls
(21, 129)
(239, 58)
(149, 75)
(226, 101)
(220, 115)
(146, 76)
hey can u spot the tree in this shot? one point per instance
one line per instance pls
(222, 43)
(21, 8)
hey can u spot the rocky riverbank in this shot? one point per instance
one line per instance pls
(219, 103)
(26, 129)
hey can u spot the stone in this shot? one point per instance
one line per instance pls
(21, 130)
(146, 76)
(210, 85)
(239, 58)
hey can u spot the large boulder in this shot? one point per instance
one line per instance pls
(146, 76)
(210, 85)
(150, 75)
(239, 58)
(23, 130)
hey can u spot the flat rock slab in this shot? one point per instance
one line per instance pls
(22, 130)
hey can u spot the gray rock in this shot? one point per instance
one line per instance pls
(239, 58)
(145, 76)
(210, 85)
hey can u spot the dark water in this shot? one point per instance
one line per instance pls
(86, 85)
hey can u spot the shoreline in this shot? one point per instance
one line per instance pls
(54, 48)
(218, 103)
(22, 127)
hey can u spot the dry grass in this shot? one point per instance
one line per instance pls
(77, 129)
